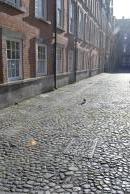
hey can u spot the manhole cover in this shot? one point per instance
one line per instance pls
(81, 147)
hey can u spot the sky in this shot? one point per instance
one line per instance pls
(121, 8)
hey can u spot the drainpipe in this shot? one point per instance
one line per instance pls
(75, 39)
(55, 43)
(90, 61)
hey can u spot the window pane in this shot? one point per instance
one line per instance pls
(8, 44)
(13, 54)
(9, 69)
(17, 45)
(9, 54)
(17, 55)
(71, 17)
(41, 66)
(41, 8)
(13, 68)
(13, 45)
(59, 4)
(44, 8)
(17, 68)
(60, 13)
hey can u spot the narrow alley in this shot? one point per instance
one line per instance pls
(72, 140)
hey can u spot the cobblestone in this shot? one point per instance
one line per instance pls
(52, 144)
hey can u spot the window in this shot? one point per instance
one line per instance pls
(13, 59)
(41, 59)
(81, 24)
(60, 13)
(59, 59)
(70, 61)
(41, 8)
(15, 3)
(91, 31)
(71, 16)
(86, 28)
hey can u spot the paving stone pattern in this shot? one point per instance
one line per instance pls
(55, 144)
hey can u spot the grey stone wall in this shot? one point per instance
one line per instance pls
(14, 92)
(64, 79)
(82, 75)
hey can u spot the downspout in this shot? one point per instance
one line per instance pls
(90, 71)
(55, 43)
(75, 39)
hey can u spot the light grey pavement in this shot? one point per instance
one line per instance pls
(52, 144)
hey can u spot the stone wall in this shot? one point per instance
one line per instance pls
(15, 92)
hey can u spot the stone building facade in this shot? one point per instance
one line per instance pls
(40, 51)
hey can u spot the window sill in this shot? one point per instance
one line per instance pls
(41, 75)
(24, 81)
(43, 20)
(14, 79)
(82, 71)
(9, 5)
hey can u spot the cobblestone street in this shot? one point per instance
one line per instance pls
(75, 140)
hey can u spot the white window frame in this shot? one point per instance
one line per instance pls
(20, 60)
(37, 60)
(61, 19)
(43, 14)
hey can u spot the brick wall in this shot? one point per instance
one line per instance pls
(32, 28)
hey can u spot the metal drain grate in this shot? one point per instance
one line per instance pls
(81, 147)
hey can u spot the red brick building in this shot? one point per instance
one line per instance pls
(36, 47)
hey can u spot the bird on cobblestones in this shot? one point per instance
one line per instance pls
(83, 102)
(12, 145)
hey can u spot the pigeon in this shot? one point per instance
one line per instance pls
(83, 102)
